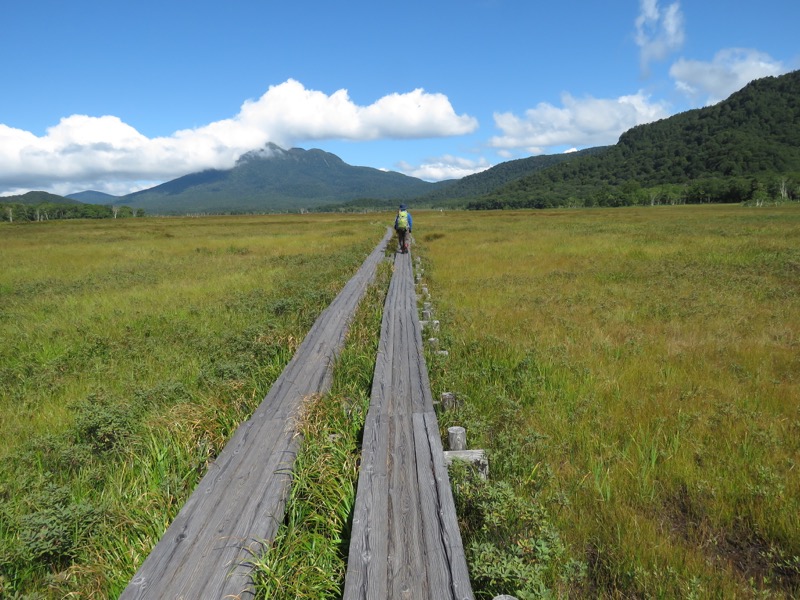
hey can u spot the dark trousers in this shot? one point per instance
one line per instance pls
(402, 240)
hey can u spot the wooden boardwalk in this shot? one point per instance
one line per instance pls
(240, 502)
(405, 542)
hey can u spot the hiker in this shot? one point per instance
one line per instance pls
(402, 225)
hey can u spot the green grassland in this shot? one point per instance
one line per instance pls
(129, 352)
(634, 374)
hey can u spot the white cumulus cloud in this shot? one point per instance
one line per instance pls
(729, 71)
(659, 31)
(445, 167)
(103, 153)
(578, 122)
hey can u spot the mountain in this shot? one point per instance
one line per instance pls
(94, 197)
(274, 179)
(729, 152)
(487, 181)
(36, 198)
(739, 149)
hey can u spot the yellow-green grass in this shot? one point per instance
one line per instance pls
(68, 287)
(129, 351)
(638, 372)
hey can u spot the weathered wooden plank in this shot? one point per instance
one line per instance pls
(438, 566)
(405, 541)
(407, 565)
(451, 535)
(367, 573)
(240, 500)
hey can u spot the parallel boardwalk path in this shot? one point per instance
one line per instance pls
(240, 501)
(405, 542)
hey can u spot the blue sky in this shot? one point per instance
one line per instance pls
(120, 96)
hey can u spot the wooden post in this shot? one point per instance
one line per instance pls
(448, 400)
(457, 438)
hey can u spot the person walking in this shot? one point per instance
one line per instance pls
(402, 225)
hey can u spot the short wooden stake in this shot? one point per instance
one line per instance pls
(457, 438)
(448, 400)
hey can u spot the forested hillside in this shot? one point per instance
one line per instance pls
(500, 175)
(744, 148)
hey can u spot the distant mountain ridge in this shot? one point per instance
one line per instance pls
(504, 173)
(727, 152)
(35, 198)
(93, 197)
(274, 179)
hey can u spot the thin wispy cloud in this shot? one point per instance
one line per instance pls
(660, 31)
(102, 152)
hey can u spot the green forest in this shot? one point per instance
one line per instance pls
(744, 149)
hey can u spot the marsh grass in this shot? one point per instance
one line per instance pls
(130, 352)
(635, 371)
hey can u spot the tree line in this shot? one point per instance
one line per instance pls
(47, 211)
(720, 190)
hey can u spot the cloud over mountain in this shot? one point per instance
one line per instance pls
(728, 71)
(91, 151)
(578, 121)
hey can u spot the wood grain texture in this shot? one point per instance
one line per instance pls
(239, 503)
(405, 541)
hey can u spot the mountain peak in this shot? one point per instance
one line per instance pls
(269, 151)
(272, 178)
